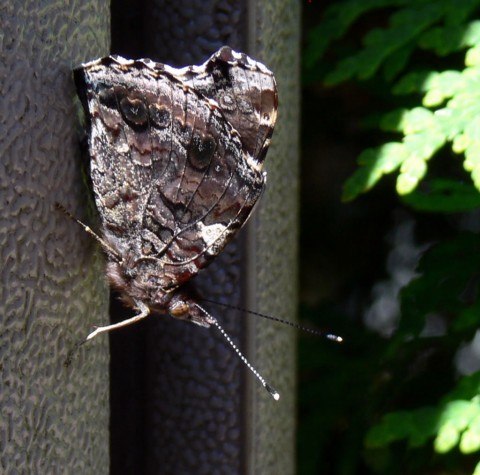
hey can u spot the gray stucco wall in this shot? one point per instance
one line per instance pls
(53, 419)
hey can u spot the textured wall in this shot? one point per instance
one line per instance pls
(53, 420)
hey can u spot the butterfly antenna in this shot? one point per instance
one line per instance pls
(329, 336)
(269, 388)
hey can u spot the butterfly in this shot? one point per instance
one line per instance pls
(176, 166)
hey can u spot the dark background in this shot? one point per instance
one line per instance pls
(345, 251)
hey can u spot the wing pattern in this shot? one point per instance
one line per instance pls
(176, 161)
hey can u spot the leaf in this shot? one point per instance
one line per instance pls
(443, 40)
(380, 44)
(446, 439)
(443, 196)
(451, 423)
(441, 86)
(459, 425)
(425, 130)
(374, 163)
(467, 319)
(335, 22)
(468, 387)
(470, 440)
(397, 61)
(458, 414)
(423, 137)
(472, 58)
(447, 275)
(412, 82)
(394, 426)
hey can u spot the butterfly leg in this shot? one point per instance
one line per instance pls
(144, 312)
(105, 246)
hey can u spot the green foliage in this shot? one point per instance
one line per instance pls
(444, 195)
(448, 109)
(453, 423)
(447, 284)
(417, 415)
(377, 381)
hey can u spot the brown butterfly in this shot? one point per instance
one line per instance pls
(176, 159)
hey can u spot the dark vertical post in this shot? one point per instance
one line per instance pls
(53, 419)
(201, 411)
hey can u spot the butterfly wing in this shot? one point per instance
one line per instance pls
(172, 179)
(246, 92)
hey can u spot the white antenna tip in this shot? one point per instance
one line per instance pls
(332, 337)
(272, 392)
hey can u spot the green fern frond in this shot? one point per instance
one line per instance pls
(453, 423)
(428, 128)
(448, 113)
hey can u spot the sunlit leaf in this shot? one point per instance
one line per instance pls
(447, 438)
